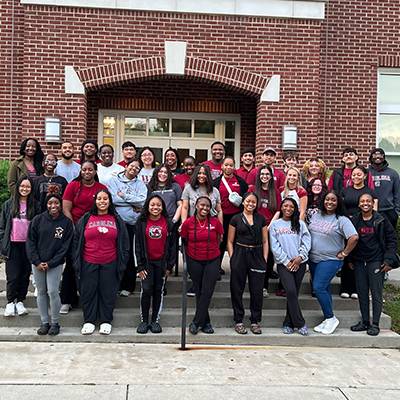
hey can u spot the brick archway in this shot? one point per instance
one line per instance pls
(196, 68)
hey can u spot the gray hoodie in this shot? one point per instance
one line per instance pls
(131, 198)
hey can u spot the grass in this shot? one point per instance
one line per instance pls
(391, 306)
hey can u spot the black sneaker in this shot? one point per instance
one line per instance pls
(155, 327)
(54, 329)
(193, 328)
(44, 329)
(207, 328)
(190, 292)
(373, 330)
(143, 327)
(359, 327)
(221, 271)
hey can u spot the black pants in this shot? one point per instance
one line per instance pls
(18, 270)
(347, 279)
(392, 216)
(222, 247)
(152, 289)
(270, 268)
(291, 282)
(98, 289)
(128, 281)
(246, 262)
(367, 279)
(69, 287)
(204, 275)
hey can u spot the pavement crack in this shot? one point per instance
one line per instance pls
(344, 395)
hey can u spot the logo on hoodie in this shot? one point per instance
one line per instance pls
(58, 234)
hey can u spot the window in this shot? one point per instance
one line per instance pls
(388, 123)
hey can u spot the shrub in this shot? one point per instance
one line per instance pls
(4, 192)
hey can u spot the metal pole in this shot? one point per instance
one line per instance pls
(184, 300)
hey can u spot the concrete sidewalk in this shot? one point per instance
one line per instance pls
(131, 371)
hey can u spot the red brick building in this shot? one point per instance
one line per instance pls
(188, 73)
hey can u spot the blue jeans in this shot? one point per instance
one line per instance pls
(322, 274)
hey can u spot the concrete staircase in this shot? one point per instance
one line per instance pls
(126, 319)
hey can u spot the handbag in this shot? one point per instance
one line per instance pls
(234, 197)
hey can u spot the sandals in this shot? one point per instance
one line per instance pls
(88, 328)
(240, 328)
(105, 328)
(256, 329)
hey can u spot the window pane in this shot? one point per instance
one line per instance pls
(135, 126)
(182, 127)
(108, 126)
(158, 127)
(389, 89)
(229, 129)
(230, 148)
(389, 132)
(204, 128)
(201, 155)
(109, 140)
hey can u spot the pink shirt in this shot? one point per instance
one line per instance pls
(19, 229)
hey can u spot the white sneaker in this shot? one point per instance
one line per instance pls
(124, 293)
(319, 328)
(330, 325)
(9, 311)
(20, 308)
(65, 308)
(354, 296)
(344, 295)
(265, 292)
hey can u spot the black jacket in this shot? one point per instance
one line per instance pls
(141, 248)
(49, 239)
(386, 236)
(242, 183)
(6, 226)
(79, 243)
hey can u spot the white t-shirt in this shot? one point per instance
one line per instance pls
(68, 171)
(105, 173)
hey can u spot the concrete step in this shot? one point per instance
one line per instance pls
(221, 318)
(343, 338)
(219, 300)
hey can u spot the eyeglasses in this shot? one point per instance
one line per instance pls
(265, 174)
(317, 185)
(50, 162)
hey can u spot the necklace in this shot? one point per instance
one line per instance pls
(204, 224)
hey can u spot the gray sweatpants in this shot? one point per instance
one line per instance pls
(48, 284)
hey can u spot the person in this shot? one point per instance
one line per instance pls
(387, 186)
(155, 259)
(49, 182)
(128, 153)
(248, 251)
(171, 158)
(128, 195)
(290, 159)
(189, 164)
(29, 163)
(350, 196)
(333, 237)
(16, 214)
(77, 200)
(374, 255)
(312, 169)
(67, 167)
(316, 191)
(201, 234)
(89, 151)
(290, 243)
(292, 188)
(268, 158)
(269, 203)
(341, 177)
(107, 167)
(49, 238)
(248, 163)
(229, 184)
(217, 156)
(100, 251)
(147, 160)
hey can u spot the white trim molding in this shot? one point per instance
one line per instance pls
(272, 91)
(175, 57)
(73, 84)
(308, 9)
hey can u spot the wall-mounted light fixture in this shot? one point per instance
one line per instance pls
(52, 129)
(289, 137)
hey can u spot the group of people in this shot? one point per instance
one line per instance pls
(90, 226)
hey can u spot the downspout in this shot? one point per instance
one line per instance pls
(12, 77)
(325, 89)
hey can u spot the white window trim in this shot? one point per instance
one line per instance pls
(389, 109)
